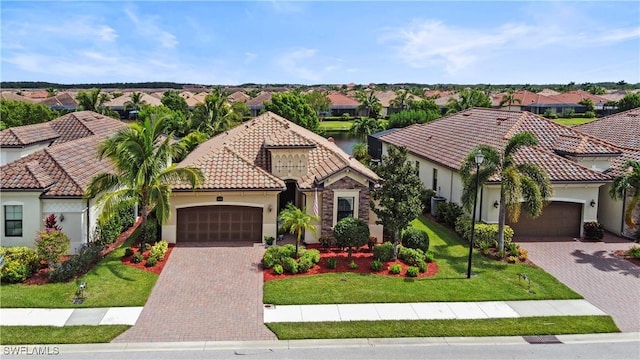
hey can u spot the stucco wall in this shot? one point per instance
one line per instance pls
(73, 213)
(610, 213)
(31, 217)
(8, 155)
(263, 199)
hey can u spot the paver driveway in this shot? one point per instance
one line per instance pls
(204, 293)
(592, 270)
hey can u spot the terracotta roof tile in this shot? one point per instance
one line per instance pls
(448, 140)
(250, 141)
(621, 129)
(64, 100)
(26, 135)
(340, 100)
(259, 100)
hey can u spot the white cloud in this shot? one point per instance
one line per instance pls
(147, 28)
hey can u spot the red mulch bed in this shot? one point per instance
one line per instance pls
(156, 269)
(362, 258)
(623, 254)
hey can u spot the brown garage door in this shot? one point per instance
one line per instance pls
(558, 219)
(220, 223)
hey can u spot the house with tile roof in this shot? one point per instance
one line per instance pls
(254, 170)
(343, 104)
(256, 105)
(577, 164)
(623, 130)
(62, 101)
(20, 141)
(54, 164)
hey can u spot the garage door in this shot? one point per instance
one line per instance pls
(558, 219)
(220, 223)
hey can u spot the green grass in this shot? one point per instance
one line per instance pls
(554, 325)
(495, 280)
(573, 121)
(12, 335)
(109, 284)
(335, 125)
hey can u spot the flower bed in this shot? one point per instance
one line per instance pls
(156, 269)
(362, 257)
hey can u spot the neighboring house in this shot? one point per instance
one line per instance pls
(256, 105)
(118, 104)
(575, 162)
(342, 104)
(54, 163)
(386, 99)
(623, 130)
(253, 170)
(62, 101)
(238, 96)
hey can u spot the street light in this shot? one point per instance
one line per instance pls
(479, 159)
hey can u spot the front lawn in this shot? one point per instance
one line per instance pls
(12, 335)
(554, 325)
(335, 125)
(495, 280)
(109, 284)
(573, 121)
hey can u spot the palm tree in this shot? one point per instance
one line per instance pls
(364, 126)
(369, 102)
(630, 180)
(94, 101)
(402, 101)
(297, 221)
(360, 152)
(216, 115)
(525, 181)
(136, 102)
(141, 157)
(51, 92)
(509, 99)
(468, 98)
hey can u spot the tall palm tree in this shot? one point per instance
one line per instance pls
(525, 181)
(141, 157)
(51, 92)
(360, 152)
(136, 102)
(94, 101)
(509, 98)
(369, 102)
(630, 180)
(216, 115)
(364, 126)
(468, 98)
(297, 221)
(402, 101)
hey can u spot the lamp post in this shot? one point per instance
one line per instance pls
(479, 159)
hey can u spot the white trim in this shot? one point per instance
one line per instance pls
(355, 193)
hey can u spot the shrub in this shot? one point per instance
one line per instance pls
(634, 252)
(312, 255)
(332, 263)
(512, 259)
(376, 265)
(109, 229)
(269, 240)
(593, 230)
(78, 264)
(513, 249)
(429, 256)
(147, 246)
(159, 250)
(353, 265)
(21, 255)
(151, 229)
(448, 213)
(568, 113)
(589, 114)
(422, 267)
(151, 261)
(290, 265)
(276, 255)
(128, 252)
(550, 114)
(137, 258)
(415, 239)
(305, 264)
(425, 198)
(278, 270)
(51, 245)
(411, 256)
(486, 235)
(14, 272)
(351, 232)
(395, 269)
(383, 252)
(523, 254)
(327, 241)
(412, 271)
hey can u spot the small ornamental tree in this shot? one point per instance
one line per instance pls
(350, 232)
(51, 222)
(51, 244)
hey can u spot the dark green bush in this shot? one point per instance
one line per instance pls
(77, 265)
(568, 113)
(383, 252)
(486, 234)
(415, 239)
(412, 271)
(448, 212)
(152, 229)
(128, 252)
(411, 256)
(151, 261)
(395, 269)
(351, 232)
(353, 265)
(429, 256)
(278, 270)
(422, 267)
(332, 263)
(108, 230)
(327, 241)
(137, 258)
(593, 230)
(589, 114)
(376, 265)
(305, 264)
(290, 265)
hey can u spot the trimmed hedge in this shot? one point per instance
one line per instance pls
(20, 262)
(383, 252)
(415, 239)
(485, 234)
(448, 213)
(281, 258)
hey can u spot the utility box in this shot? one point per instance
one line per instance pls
(435, 200)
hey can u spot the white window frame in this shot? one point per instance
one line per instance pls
(21, 220)
(338, 193)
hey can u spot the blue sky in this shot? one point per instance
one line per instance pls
(210, 42)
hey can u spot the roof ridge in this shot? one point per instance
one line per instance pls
(553, 154)
(35, 169)
(597, 139)
(513, 129)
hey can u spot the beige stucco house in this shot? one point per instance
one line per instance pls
(577, 164)
(51, 165)
(253, 170)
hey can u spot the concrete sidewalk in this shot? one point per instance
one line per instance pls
(428, 311)
(315, 313)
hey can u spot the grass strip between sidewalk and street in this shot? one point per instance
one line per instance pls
(85, 334)
(548, 325)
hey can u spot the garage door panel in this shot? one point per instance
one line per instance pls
(558, 219)
(219, 223)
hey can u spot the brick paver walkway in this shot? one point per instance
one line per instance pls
(205, 293)
(592, 270)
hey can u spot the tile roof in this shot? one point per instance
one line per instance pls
(259, 100)
(243, 149)
(68, 127)
(59, 171)
(448, 140)
(9, 95)
(238, 96)
(617, 164)
(340, 100)
(62, 100)
(575, 96)
(621, 129)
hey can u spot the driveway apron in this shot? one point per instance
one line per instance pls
(205, 292)
(592, 270)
